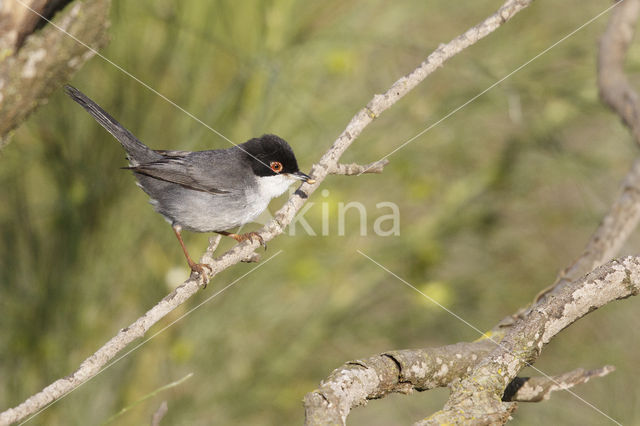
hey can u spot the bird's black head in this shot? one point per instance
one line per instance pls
(270, 155)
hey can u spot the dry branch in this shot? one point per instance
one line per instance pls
(536, 389)
(357, 169)
(359, 381)
(615, 228)
(329, 161)
(616, 91)
(18, 22)
(479, 395)
(47, 58)
(157, 417)
(493, 364)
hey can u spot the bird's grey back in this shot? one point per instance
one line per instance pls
(224, 169)
(201, 191)
(223, 199)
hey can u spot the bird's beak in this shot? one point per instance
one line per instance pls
(303, 177)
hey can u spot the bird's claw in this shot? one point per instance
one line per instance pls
(198, 268)
(250, 236)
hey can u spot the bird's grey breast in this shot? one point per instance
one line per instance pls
(221, 195)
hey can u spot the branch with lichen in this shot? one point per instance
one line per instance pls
(483, 374)
(615, 91)
(356, 382)
(479, 394)
(31, 69)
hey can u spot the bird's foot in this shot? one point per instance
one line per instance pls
(249, 236)
(199, 269)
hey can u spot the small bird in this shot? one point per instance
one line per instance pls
(206, 191)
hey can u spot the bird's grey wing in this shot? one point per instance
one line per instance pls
(175, 169)
(167, 153)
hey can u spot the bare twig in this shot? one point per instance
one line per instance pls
(614, 229)
(380, 103)
(536, 389)
(617, 225)
(157, 417)
(357, 169)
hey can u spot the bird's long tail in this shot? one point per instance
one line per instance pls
(136, 150)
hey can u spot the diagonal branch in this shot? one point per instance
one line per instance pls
(617, 92)
(329, 161)
(479, 395)
(489, 392)
(536, 389)
(356, 382)
(615, 89)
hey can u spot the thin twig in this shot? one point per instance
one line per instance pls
(162, 411)
(536, 389)
(357, 169)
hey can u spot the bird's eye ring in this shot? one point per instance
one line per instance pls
(276, 166)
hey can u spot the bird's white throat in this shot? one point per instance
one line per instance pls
(274, 186)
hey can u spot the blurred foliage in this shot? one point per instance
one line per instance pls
(494, 201)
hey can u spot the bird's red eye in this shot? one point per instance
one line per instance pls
(276, 166)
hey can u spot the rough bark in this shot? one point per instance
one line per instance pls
(478, 396)
(33, 65)
(615, 91)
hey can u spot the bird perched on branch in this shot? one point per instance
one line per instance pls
(206, 191)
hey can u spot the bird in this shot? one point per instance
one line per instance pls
(205, 191)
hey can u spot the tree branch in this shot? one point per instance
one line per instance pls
(29, 75)
(356, 382)
(479, 395)
(157, 417)
(329, 161)
(536, 389)
(616, 91)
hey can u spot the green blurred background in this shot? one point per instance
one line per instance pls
(493, 202)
